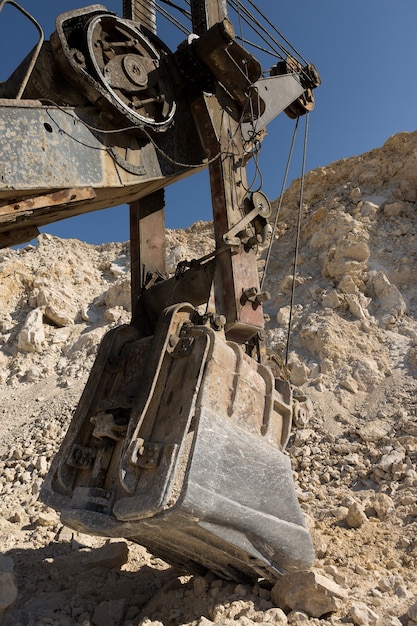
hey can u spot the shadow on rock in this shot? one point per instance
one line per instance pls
(69, 584)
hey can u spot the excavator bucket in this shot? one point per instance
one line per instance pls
(177, 444)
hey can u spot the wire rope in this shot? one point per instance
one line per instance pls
(281, 197)
(248, 19)
(140, 16)
(239, 16)
(273, 46)
(268, 21)
(177, 7)
(137, 11)
(251, 21)
(173, 20)
(277, 49)
(297, 242)
(252, 44)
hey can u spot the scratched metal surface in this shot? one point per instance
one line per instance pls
(46, 148)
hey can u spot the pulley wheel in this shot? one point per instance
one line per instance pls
(304, 103)
(127, 65)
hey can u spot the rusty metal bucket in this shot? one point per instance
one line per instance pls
(177, 444)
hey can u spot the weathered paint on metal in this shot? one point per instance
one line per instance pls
(220, 133)
(235, 272)
(147, 240)
(206, 13)
(192, 464)
(59, 198)
(47, 150)
(146, 216)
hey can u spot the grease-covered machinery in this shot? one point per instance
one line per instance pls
(178, 440)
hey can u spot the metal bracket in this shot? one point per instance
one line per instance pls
(145, 454)
(257, 297)
(277, 92)
(180, 346)
(261, 207)
(81, 457)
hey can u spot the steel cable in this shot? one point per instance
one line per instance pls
(248, 19)
(273, 46)
(281, 198)
(139, 15)
(279, 49)
(297, 241)
(176, 6)
(268, 21)
(174, 21)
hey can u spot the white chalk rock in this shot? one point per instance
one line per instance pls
(32, 336)
(387, 295)
(308, 591)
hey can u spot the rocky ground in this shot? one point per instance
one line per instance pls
(352, 351)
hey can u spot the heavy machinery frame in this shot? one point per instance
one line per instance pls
(178, 441)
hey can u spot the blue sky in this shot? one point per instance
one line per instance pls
(365, 51)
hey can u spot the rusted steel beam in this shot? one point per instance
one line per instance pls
(57, 199)
(147, 219)
(147, 240)
(15, 237)
(236, 271)
(206, 13)
(142, 11)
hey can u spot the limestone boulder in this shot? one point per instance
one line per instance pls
(32, 336)
(310, 592)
